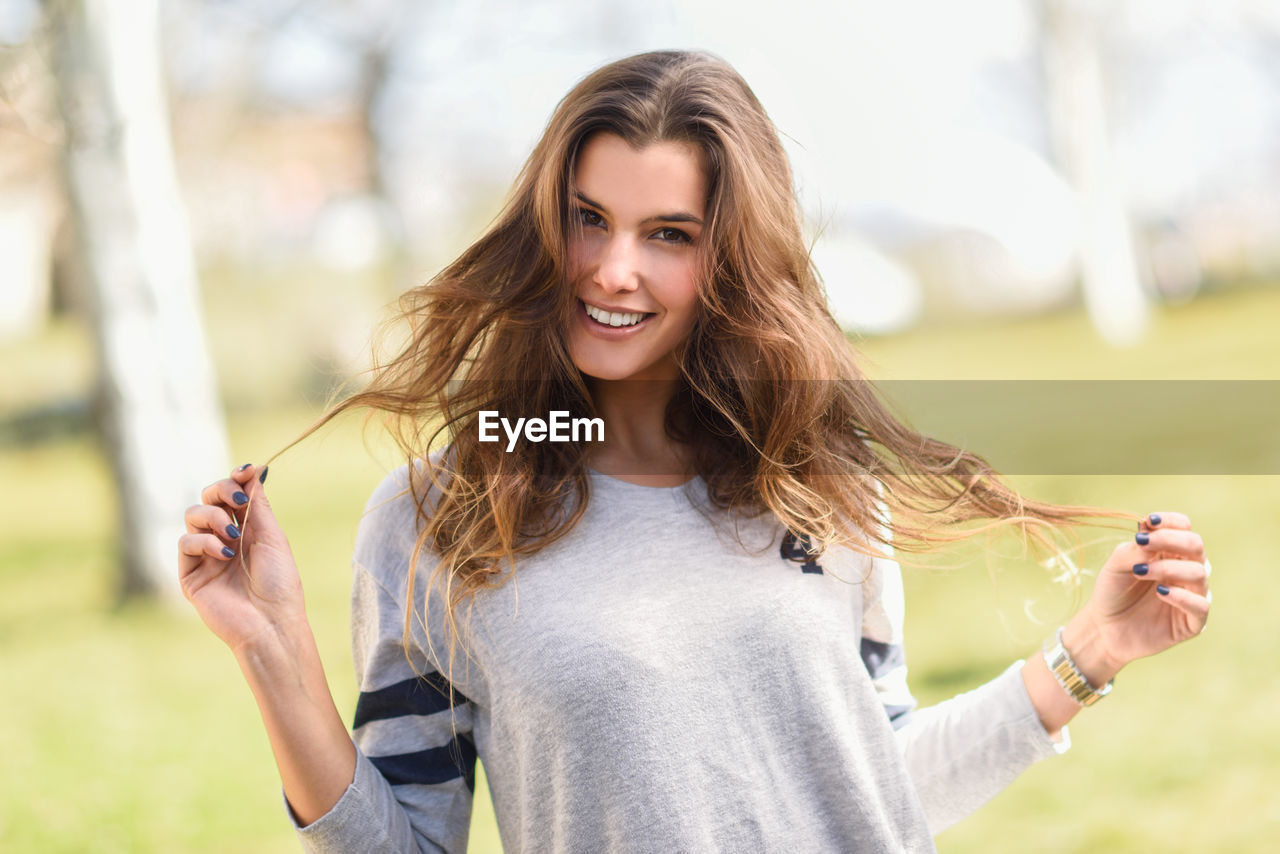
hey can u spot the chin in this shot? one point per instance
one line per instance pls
(604, 372)
(613, 367)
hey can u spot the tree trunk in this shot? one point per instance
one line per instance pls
(1076, 100)
(159, 415)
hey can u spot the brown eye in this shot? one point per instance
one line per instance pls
(589, 217)
(673, 235)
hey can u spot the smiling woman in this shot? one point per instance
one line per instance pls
(632, 256)
(702, 649)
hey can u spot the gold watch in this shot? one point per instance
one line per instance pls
(1069, 676)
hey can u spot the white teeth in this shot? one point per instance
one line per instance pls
(613, 318)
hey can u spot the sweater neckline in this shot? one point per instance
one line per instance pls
(610, 481)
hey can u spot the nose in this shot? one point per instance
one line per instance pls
(619, 265)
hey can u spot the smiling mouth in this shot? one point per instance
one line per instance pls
(614, 319)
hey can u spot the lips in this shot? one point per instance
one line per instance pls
(607, 330)
(614, 317)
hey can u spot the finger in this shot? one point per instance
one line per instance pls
(1195, 606)
(194, 548)
(1165, 519)
(204, 517)
(259, 507)
(1185, 544)
(1184, 573)
(227, 492)
(245, 473)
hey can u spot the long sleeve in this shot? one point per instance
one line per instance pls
(961, 752)
(964, 751)
(415, 768)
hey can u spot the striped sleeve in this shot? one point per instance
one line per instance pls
(882, 643)
(961, 752)
(416, 760)
(415, 754)
(883, 613)
(414, 729)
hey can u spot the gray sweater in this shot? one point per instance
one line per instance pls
(650, 683)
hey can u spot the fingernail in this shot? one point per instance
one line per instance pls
(226, 552)
(1154, 518)
(1142, 537)
(1140, 569)
(1162, 590)
(234, 533)
(262, 478)
(240, 497)
(243, 467)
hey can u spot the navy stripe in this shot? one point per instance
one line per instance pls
(437, 765)
(416, 696)
(899, 716)
(880, 657)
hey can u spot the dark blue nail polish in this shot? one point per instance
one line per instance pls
(1142, 537)
(233, 532)
(1154, 518)
(262, 478)
(240, 497)
(1140, 569)
(1162, 590)
(226, 552)
(243, 467)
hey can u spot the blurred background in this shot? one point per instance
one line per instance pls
(206, 206)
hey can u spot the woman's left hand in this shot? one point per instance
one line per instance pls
(1152, 593)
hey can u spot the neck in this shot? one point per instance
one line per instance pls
(635, 438)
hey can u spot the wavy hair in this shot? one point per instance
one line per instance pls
(771, 403)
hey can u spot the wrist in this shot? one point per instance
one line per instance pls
(1083, 640)
(276, 650)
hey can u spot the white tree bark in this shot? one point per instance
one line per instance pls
(160, 415)
(1076, 96)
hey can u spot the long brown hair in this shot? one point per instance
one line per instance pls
(772, 405)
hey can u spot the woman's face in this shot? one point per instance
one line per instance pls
(633, 264)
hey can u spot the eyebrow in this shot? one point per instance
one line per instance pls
(679, 216)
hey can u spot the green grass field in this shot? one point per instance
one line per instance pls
(130, 730)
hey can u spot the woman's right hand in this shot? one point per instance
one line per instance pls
(252, 599)
(242, 583)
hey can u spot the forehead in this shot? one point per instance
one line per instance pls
(663, 177)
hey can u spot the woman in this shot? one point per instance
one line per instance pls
(685, 634)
